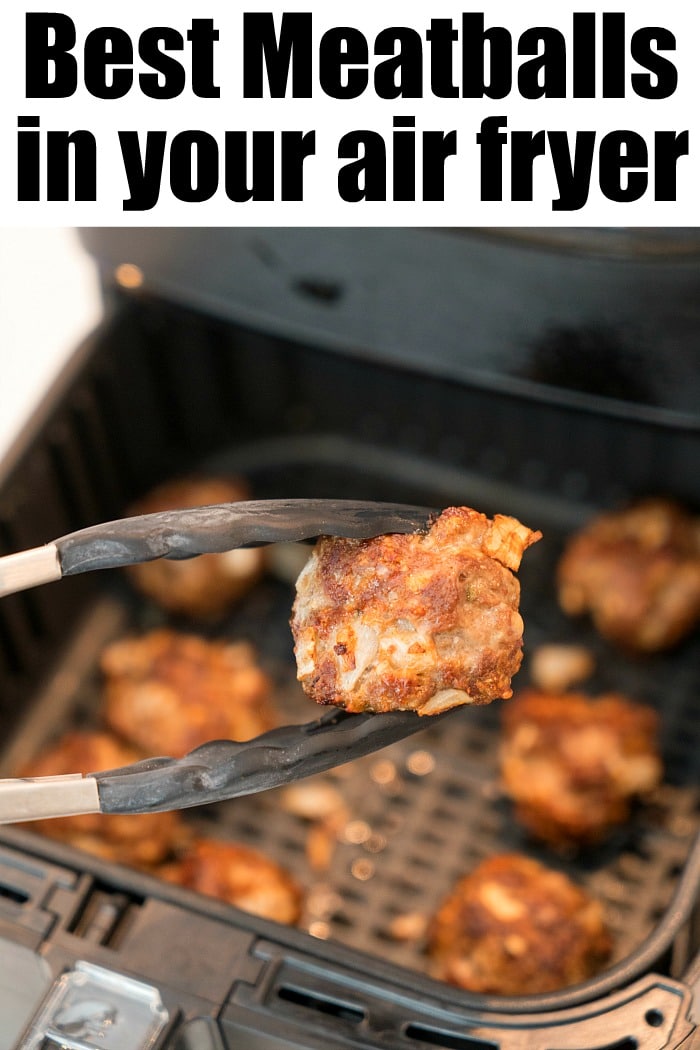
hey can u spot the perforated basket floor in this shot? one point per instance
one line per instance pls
(424, 812)
(421, 814)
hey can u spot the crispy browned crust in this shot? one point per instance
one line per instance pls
(413, 622)
(637, 573)
(514, 927)
(207, 586)
(239, 875)
(168, 692)
(572, 764)
(141, 840)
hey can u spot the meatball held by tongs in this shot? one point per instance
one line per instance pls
(421, 622)
(419, 619)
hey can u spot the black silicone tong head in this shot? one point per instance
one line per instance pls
(179, 534)
(218, 770)
(224, 768)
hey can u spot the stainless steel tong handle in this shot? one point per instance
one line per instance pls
(179, 534)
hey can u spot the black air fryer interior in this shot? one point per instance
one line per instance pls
(163, 389)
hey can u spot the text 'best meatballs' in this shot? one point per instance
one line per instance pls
(420, 622)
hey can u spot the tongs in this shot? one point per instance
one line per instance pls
(220, 769)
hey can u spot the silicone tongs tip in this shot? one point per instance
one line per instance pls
(220, 769)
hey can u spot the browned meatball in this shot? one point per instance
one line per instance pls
(572, 764)
(206, 586)
(637, 572)
(168, 692)
(413, 622)
(515, 927)
(239, 875)
(139, 839)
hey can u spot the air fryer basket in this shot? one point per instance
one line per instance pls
(161, 390)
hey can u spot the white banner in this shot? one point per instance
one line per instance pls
(310, 113)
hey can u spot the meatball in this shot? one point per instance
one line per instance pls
(167, 692)
(515, 927)
(140, 839)
(203, 587)
(419, 622)
(239, 875)
(572, 764)
(637, 572)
